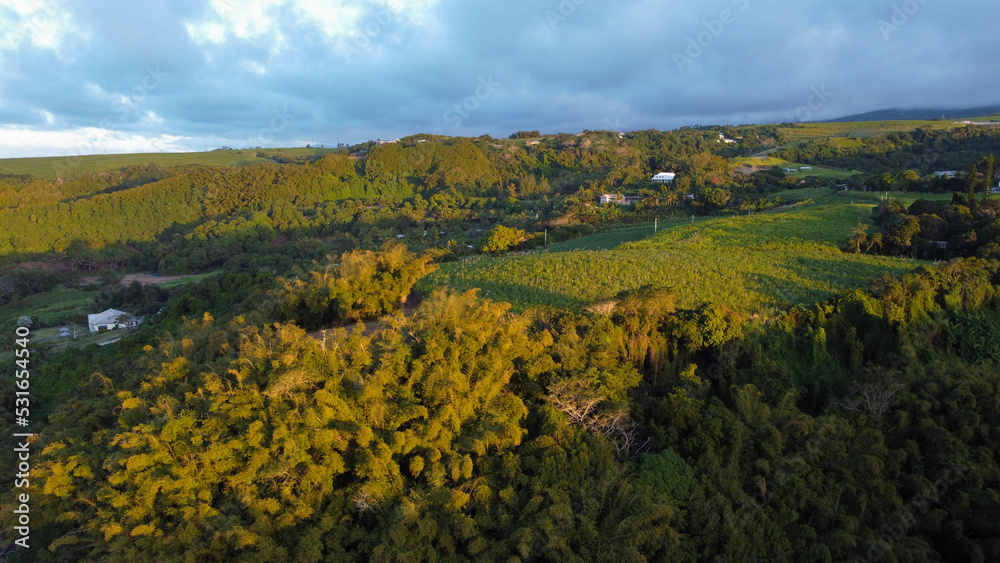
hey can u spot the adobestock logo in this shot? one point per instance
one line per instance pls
(458, 113)
(565, 10)
(698, 43)
(154, 76)
(280, 119)
(901, 14)
(815, 102)
(364, 41)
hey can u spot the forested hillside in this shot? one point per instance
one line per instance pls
(414, 351)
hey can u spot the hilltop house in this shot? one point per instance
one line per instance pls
(664, 178)
(111, 319)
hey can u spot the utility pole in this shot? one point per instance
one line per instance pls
(655, 221)
(546, 238)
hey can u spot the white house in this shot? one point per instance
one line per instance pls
(664, 178)
(612, 198)
(946, 173)
(111, 319)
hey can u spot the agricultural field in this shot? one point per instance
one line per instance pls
(825, 196)
(51, 308)
(166, 282)
(757, 264)
(53, 167)
(818, 171)
(861, 129)
(604, 240)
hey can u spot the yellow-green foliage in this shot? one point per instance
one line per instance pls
(363, 285)
(67, 167)
(212, 457)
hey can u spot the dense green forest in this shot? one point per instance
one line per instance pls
(326, 393)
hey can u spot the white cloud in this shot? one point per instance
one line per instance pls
(206, 32)
(254, 67)
(216, 71)
(42, 24)
(250, 19)
(25, 142)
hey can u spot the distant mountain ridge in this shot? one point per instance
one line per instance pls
(897, 114)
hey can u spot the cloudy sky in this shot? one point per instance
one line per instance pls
(86, 77)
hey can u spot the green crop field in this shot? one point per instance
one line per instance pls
(861, 129)
(758, 264)
(56, 307)
(607, 239)
(69, 166)
(818, 171)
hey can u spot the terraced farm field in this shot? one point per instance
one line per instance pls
(861, 129)
(758, 264)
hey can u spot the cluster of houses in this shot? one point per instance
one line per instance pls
(668, 177)
(619, 199)
(947, 174)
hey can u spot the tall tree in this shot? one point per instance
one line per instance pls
(973, 181)
(989, 165)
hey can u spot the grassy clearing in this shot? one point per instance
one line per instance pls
(819, 171)
(167, 282)
(52, 167)
(825, 196)
(52, 308)
(606, 240)
(762, 160)
(187, 279)
(906, 198)
(759, 263)
(84, 339)
(52, 340)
